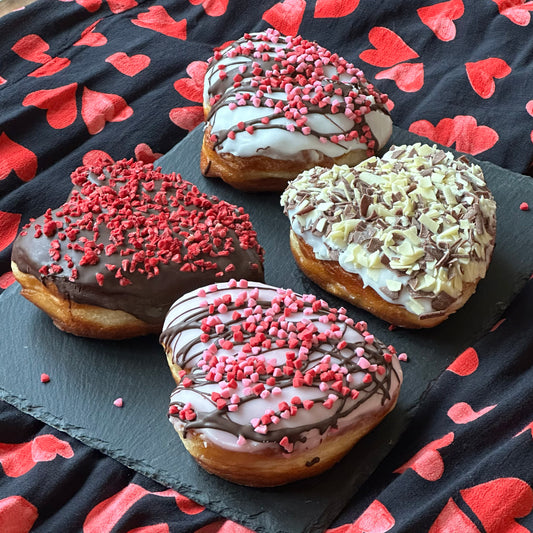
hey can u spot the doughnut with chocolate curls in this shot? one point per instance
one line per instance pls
(273, 386)
(407, 236)
(128, 241)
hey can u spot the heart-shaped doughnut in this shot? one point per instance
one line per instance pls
(406, 237)
(277, 105)
(273, 386)
(128, 241)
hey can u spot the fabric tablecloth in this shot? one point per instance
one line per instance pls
(88, 79)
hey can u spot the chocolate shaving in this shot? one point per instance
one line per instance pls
(393, 295)
(364, 204)
(438, 157)
(434, 314)
(442, 301)
(374, 244)
(358, 237)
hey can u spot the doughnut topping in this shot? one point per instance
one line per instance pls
(266, 366)
(131, 238)
(416, 225)
(285, 97)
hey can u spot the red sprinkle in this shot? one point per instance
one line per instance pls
(119, 402)
(524, 206)
(45, 378)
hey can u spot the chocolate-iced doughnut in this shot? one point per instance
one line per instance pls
(406, 237)
(276, 105)
(127, 242)
(273, 386)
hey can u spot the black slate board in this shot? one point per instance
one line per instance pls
(87, 375)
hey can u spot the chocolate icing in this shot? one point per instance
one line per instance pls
(113, 206)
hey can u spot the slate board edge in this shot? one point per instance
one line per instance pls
(195, 494)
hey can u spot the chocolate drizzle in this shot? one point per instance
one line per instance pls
(292, 79)
(316, 358)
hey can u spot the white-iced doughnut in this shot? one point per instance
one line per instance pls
(273, 386)
(278, 105)
(406, 237)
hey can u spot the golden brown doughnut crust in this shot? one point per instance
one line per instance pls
(270, 469)
(229, 418)
(273, 469)
(333, 278)
(81, 319)
(260, 173)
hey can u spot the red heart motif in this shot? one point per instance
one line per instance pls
(6, 280)
(9, 225)
(17, 158)
(119, 6)
(334, 8)
(128, 65)
(462, 412)
(60, 104)
(498, 502)
(516, 11)
(213, 8)
(427, 462)
(16, 459)
(158, 19)
(375, 519)
(32, 48)
(452, 519)
(98, 108)
(481, 75)
(145, 154)
(192, 88)
(187, 118)
(186, 505)
(439, 18)
(409, 77)
(17, 514)
(286, 16)
(105, 515)
(2, 80)
(96, 158)
(389, 48)
(89, 5)
(48, 447)
(89, 37)
(461, 130)
(466, 363)
(156, 528)
(53, 66)
(529, 428)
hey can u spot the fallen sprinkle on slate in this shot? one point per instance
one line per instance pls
(45, 378)
(524, 206)
(119, 402)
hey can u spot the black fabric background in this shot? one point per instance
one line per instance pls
(484, 450)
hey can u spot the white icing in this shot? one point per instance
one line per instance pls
(279, 143)
(186, 307)
(414, 193)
